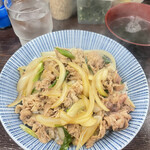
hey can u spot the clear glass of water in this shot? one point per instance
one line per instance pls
(29, 18)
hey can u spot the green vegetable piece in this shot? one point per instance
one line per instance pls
(67, 110)
(28, 130)
(106, 59)
(89, 67)
(106, 92)
(38, 75)
(33, 90)
(67, 73)
(54, 83)
(67, 140)
(65, 53)
(86, 60)
(58, 125)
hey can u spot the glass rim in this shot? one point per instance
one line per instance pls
(24, 12)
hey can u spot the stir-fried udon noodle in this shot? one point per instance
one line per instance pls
(72, 96)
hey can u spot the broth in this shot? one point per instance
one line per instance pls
(132, 28)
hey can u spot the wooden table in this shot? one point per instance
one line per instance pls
(9, 43)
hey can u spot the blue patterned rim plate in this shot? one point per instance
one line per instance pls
(128, 67)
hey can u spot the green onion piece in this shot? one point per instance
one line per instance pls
(67, 73)
(28, 130)
(89, 67)
(58, 125)
(106, 59)
(106, 91)
(65, 53)
(38, 75)
(86, 60)
(67, 110)
(67, 140)
(34, 91)
(54, 83)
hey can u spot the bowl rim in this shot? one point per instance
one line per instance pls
(107, 25)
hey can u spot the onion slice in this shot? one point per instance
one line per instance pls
(62, 73)
(75, 108)
(97, 99)
(18, 100)
(23, 81)
(86, 133)
(83, 76)
(31, 80)
(48, 121)
(63, 96)
(99, 76)
(90, 106)
(33, 64)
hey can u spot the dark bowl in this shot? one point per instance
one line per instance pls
(127, 10)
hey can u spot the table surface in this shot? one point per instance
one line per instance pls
(9, 43)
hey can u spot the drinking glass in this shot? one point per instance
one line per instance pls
(29, 18)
